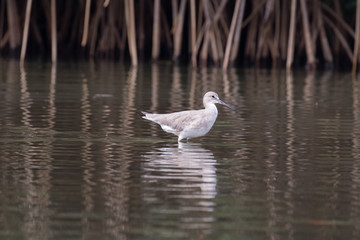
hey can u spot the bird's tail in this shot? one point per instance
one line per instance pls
(143, 114)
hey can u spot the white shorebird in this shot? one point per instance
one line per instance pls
(191, 123)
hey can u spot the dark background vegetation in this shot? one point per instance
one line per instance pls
(205, 32)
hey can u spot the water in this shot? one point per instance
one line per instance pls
(78, 161)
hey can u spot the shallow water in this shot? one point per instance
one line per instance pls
(78, 161)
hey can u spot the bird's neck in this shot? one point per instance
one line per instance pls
(211, 107)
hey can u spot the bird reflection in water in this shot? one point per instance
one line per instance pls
(181, 179)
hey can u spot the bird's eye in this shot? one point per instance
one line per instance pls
(213, 96)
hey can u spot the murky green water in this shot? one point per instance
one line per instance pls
(77, 161)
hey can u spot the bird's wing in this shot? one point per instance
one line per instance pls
(175, 122)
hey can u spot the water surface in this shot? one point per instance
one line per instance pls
(78, 161)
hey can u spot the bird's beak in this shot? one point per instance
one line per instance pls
(221, 102)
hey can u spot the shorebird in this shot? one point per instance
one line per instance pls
(191, 123)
